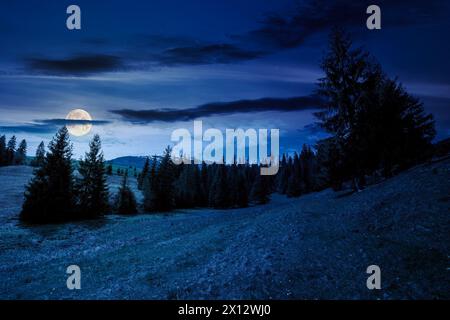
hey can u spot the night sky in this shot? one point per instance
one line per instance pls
(144, 68)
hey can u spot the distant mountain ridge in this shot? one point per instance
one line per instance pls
(127, 161)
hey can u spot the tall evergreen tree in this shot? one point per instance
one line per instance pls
(159, 192)
(307, 159)
(295, 183)
(125, 201)
(2, 150)
(21, 153)
(260, 193)
(11, 150)
(92, 188)
(282, 176)
(242, 186)
(149, 187)
(49, 197)
(165, 181)
(219, 192)
(143, 173)
(39, 158)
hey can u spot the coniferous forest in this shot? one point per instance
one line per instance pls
(375, 128)
(225, 150)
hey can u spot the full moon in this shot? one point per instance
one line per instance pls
(79, 129)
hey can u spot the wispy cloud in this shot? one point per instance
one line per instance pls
(75, 66)
(284, 31)
(219, 108)
(47, 126)
(205, 54)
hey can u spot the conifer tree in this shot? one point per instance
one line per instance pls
(21, 153)
(149, 187)
(159, 190)
(125, 201)
(2, 150)
(49, 197)
(219, 192)
(165, 183)
(11, 150)
(282, 176)
(242, 186)
(260, 193)
(39, 158)
(144, 173)
(92, 188)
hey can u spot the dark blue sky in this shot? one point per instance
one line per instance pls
(145, 68)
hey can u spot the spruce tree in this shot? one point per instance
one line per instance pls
(242, 185)
(92, 188)
(219, 192)
(260, 193)
(21, 153)
(39, 158)
(2, 150)
(125, 201)
(149, 188)
(282, 176)
(159, 194)
(11, 150)
(49, 197)
(144, 173)
(165, 183)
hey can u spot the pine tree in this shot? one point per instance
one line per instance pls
(295, 185)
(11, 150)
(204, 177)
(39, 158)
(2, 150)
(187, 187)
(307, 168)
(219, 192)
(144, 173)
(282, 176)
(242, 186)
(125, 201)
(149, 188)
(164, 186)
(260, 190)
(49, 197)
(92, 188)
(159, 190)
(21, 153)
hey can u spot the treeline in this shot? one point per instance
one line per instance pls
(11, 153)
(57, 193)
(167, 186)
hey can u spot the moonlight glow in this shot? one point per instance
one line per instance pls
(79, 129)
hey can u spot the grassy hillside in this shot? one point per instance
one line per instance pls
(314, 247)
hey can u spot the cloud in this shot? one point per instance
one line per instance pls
(75, 66)
(219, 108)
(315, 16)
(48, 126)
(30, 128)
(63, 122)
(205, 54)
